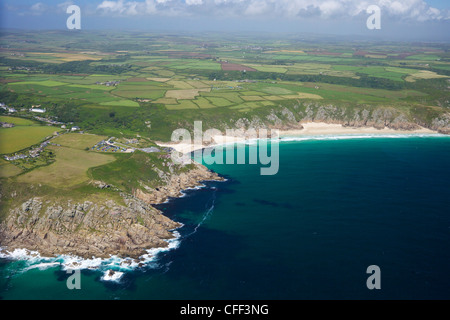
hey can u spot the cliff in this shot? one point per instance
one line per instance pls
(88, 228)
(291, 116)
(175, 184)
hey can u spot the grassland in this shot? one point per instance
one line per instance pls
(17, 121)
(129, 170)
(122, 86)
(145, 86)
(25, 134)
(69, 169)
(8, 170)
(78, 141)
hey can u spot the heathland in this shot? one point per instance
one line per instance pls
(126, 91)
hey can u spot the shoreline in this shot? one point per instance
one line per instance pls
(112, 266)
(321, 128)
(310, 129)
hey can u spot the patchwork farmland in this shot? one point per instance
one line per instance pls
(129, 83)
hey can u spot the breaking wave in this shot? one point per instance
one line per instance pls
(360, 136)
(113, 268)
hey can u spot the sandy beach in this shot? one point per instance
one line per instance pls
(319, 128)
(309, 129)
(188, 148)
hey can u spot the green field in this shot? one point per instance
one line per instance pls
(165, 82)
(21, 137)
(123, 103)
(17, 121)
(78, 141)
(8, 170)
(69, 169)
(134, 89)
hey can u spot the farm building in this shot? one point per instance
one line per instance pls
(38, 110)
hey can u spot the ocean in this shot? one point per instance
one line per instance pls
(337, 206)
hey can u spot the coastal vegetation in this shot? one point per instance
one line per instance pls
(24, 134)
(87, 88)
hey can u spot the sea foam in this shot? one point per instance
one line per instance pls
(113, 267)
(361, 136)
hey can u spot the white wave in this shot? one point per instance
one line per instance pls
(361, 136)
(111, 275)
(201, 186)
(71, 262)
(152, 254)
(205, 216)
(20, 254)
(34, 260)
(43, 266)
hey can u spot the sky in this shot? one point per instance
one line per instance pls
(421, 20)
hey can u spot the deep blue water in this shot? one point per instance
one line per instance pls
(309, 232)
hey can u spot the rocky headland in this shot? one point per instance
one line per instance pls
(88, 229)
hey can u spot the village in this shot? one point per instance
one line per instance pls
(32, 153)
(112, 145)
(109, 146)
(108, 83)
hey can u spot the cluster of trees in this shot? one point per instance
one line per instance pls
(85, 67)
(15, 100)
(365, 81)
(67, 112)
(7, 96)
(71, 67)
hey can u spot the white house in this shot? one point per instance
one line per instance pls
(38, 110)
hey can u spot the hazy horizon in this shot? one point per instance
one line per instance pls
(408, 20)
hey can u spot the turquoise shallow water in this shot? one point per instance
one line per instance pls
(309, 232)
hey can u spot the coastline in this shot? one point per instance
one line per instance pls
(321, 128)
(309, 129)
(174, 189)
(38, 255)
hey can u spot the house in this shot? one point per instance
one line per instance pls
(37, 109)
(150, 150)
(6, 108)
(75, 128)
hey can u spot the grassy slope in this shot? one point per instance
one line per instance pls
(162, 69)
(68, 170)
(21, 137)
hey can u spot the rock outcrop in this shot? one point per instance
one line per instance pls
(442, 124)
(175, 184)
(124, 227)
(86, 229)
(380, 118)
(284, 118)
